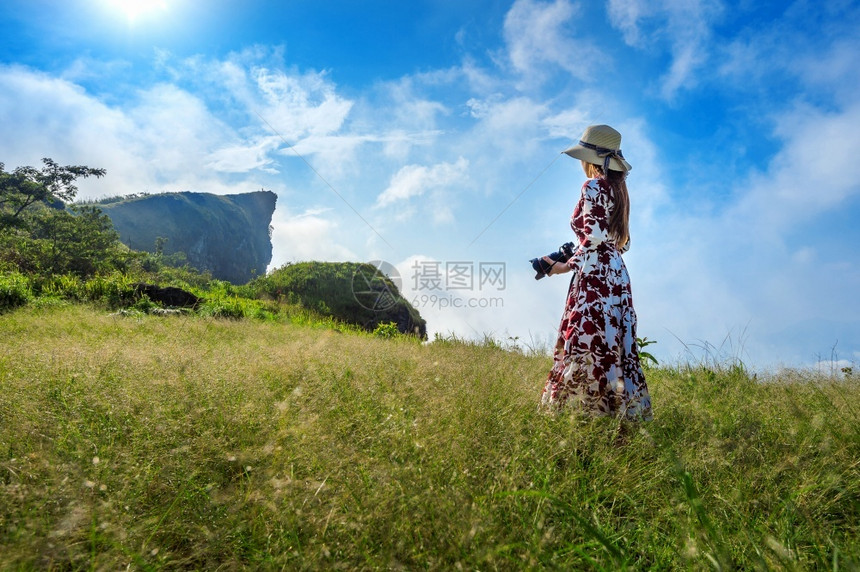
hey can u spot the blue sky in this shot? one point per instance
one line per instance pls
(428, 134)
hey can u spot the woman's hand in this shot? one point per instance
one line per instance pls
(557, 267)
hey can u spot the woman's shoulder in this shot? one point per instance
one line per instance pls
(594, 187)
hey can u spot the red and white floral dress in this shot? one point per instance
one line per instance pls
(596, 361)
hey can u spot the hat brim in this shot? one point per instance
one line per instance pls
(590, 156)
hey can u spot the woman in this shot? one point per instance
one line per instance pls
(596, 361)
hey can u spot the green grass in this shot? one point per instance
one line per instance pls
(187, 442)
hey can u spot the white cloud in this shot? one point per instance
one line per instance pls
(416, 180)
(478, 79)
(685, 24)
(301, 108)
(823, 63)
(815, 170)
(176, 129)
(411, 108)
(55, 118)
(298, 106)
(161, 139)
(625, 15)
(832, 69)
(540, 33)
(309, 235)
(511, 129)
(735, 277)
(244, 157)
(86, 67)
(166, 138)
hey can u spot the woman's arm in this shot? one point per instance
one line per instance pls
(556, 267)
(591, 217)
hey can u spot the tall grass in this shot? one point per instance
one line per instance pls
(193, 442)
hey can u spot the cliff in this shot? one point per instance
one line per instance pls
(226, 235)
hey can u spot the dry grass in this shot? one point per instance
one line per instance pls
(181, 442)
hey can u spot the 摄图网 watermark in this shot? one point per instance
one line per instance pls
(435, 284)
(435, 275)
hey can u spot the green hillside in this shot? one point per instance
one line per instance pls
(184, 442)
(356, 293)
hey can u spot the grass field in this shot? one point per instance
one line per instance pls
(185, 442)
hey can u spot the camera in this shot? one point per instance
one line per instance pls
(563, 254)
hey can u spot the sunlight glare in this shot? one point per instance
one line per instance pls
(135, 9)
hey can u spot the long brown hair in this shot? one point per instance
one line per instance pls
(619, 218)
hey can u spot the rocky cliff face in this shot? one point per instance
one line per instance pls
(227, 235)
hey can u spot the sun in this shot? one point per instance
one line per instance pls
(135, 10)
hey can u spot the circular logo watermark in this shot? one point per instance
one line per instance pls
(376, 285)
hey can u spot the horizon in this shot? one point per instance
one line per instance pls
(429, 136)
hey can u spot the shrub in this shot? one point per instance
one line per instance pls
(387, 330)
(144, 305)
(15, 290)
(64, 286)
(230, 307)
(113, 288)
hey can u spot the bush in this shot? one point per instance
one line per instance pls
(65, 286)
(231, 307)
(144, 305)
(15, 290)
(113, 289)
(387, 330)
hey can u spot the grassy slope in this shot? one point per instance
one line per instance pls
(190, 442)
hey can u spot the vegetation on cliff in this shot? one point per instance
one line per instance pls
(228, 236)
(354, 292)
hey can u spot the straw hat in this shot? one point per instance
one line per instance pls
(600, 145)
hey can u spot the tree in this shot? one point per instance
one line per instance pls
(160, 241)
(26, 186)
(79, 241)
(75, 239)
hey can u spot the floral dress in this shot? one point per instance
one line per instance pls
(596, 361)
